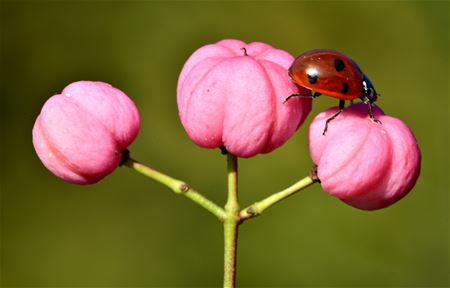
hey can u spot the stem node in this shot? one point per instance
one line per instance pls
(184, 187)
(313, 174)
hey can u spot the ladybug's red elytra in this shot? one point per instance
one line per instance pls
(334, 74)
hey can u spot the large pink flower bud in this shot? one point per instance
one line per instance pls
(231, 94)
(80, 134)
(365, 164)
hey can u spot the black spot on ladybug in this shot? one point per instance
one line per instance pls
(339, 65)
(344, 89)
(312, 78)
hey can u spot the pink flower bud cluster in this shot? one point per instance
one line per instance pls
(231, 94)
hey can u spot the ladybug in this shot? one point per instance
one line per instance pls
(334, 74)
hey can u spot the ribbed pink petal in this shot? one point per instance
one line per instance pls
(367, 165)
(231, 94)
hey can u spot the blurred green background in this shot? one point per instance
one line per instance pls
(130, 231)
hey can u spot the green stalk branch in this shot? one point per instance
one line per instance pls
(259, 207)
(176, 185)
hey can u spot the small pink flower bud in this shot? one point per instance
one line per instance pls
(367, 165)
(231, 93)
(81, 133)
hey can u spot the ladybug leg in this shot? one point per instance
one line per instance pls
(370, 104)
(341, 108)
(314, 95)
(298, 95)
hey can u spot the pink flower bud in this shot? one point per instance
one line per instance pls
(232, 93)
(366, 165)
(81, 133)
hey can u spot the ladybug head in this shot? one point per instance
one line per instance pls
(368, 94)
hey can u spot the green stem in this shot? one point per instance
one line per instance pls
(230, 215)
(259, 207)
(230, 224)
(177, 186)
